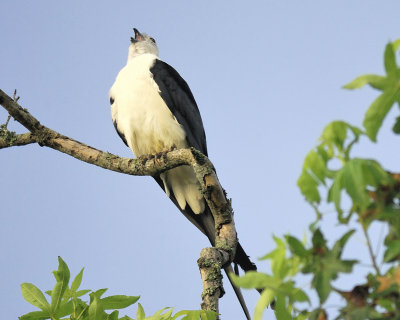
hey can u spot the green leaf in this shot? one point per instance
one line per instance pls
(77, 281)
(335, 134)
(325, 264)
(300, 296)
(263, 302)
(390, 60)
(140, 315)
(375, 81)
(34, 296)
(35, 315)
(309, 187)
(254, 279)
(113, 315)
(354, 177)
(96, 311)
(281, 310)
(393, 250)
(277, 258)
(396, 127)
(339, 245)
(167, 315)
(322, 283)
(378, 110)
(318, 239)
(80, 293)
(396, 44)
(312, 175)
(100, 292)
(296, 247)
(194, 315)
(118, 301)
(65, 309)
(62, 277)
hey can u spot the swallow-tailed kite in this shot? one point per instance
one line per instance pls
(153, 110)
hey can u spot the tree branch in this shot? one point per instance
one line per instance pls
(212, 259)
(10, 139)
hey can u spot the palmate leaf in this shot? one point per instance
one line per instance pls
(378, 110)
(296, 247)
(336, 141)
(389, 85)
(326, 263)
(312, 176)
(354, 178)
(335, 136)
(277, 259)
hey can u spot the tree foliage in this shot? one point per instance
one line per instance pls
(67, 302)
(374, 196)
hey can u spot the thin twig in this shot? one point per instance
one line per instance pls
(371, 253)
(8, 120)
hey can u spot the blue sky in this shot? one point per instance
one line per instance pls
(267, 77)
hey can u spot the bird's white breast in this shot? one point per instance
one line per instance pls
(149, 126)
(141, 114)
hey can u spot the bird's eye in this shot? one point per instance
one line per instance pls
(152, 39)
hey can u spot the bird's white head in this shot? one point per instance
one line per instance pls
(141, 44)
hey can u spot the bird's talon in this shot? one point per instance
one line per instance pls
(146, 158)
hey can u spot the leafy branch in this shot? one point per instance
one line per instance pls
(329, 171)
(69, 301)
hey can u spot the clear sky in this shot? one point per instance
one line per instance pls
(267, 77)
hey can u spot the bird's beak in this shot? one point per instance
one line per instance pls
(138, 36)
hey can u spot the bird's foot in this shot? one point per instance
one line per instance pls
(146, 158)
(157, 156)
(163, 154)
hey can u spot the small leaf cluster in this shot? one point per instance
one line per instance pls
(67, 302)
(361, 191)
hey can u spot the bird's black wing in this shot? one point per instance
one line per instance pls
(177, 95)
(179, 99)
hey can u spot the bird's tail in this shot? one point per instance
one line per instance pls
(229, 271)
(243, 260)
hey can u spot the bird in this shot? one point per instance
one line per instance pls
(154, 111)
